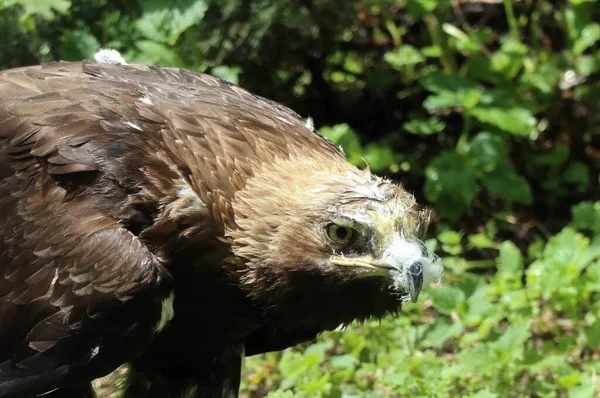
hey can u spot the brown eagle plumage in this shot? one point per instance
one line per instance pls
(170, 220)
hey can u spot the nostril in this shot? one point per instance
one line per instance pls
(416, 269)
(415, 272)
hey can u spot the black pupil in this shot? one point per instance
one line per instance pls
(341, 233)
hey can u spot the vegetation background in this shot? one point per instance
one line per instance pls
(487, 109)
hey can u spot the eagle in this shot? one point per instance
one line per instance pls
(172, 221)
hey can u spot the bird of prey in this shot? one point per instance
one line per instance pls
(170, 220)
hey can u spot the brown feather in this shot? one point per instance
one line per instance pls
(113, 178)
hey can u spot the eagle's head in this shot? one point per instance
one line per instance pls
(324, 236)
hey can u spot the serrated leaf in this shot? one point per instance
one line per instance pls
(586, 216)
(439, 82)
(446, 298)
(484, 394)
(433, 125)
(417, 8)
(451, 176)
(46, 8)
(158, 53)
(165, 20)
(379, 157)
(510, 260)
(443, 330)
(405, 55)
(450, 237)
(487, 150)
(227, 73)
(343, 361)
(515, 120)
(344, 136)
(511, 342)
(504, 182)
(481, 241)
(77, 45)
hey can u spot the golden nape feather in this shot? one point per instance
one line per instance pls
(170, 220)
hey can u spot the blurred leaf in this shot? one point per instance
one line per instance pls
(379, 157)
(592, 335)
(45, 8)
(439, 82)
(78, 45)
(465, 42)
(344, 136)
(157, 53)
(484, 394)
(507, 184)
(165, 20)
(228, 73)
(510, 59)
(343, 361)
(450, 237)
(577, 173)
(432, 125)
(481, 241)
(518, 121)
(417, 8)
(450, 177)
(404, 55)
(487, 150)
(442, 331)
(586, 216)
(446, 298)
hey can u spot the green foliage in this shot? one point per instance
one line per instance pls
(487, 111)
(535, 318)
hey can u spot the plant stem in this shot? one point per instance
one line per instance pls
(433, 27)
(464, 135)
(512, 22)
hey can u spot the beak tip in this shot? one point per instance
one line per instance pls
(415, 280)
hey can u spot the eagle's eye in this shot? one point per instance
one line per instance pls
(339, 234)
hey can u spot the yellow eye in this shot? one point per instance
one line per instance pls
(339, 234)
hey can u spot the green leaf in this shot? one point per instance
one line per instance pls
(450, 237)
(45, 8)
(510, 260)
(446, 299)
(442, 100)
(515, 120)
(344, 136)
(577, 173)
(157, 53)
(77, 45)
(439, 82)
(404, 55)
(511, 342)
(228, 73)
(510, 59)
(165, 20)
(345, 361)
(591, 335)
(443, 330)
(451, 177)
(487, 150)
(464, 41)
(417, 8)
(481, 241)
(432, 125)
(586, 216)
(379, 157)
(484, 394)
(504, 182)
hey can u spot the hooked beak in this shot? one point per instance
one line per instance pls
(415, 280)
(404, 261)
(413, 274)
